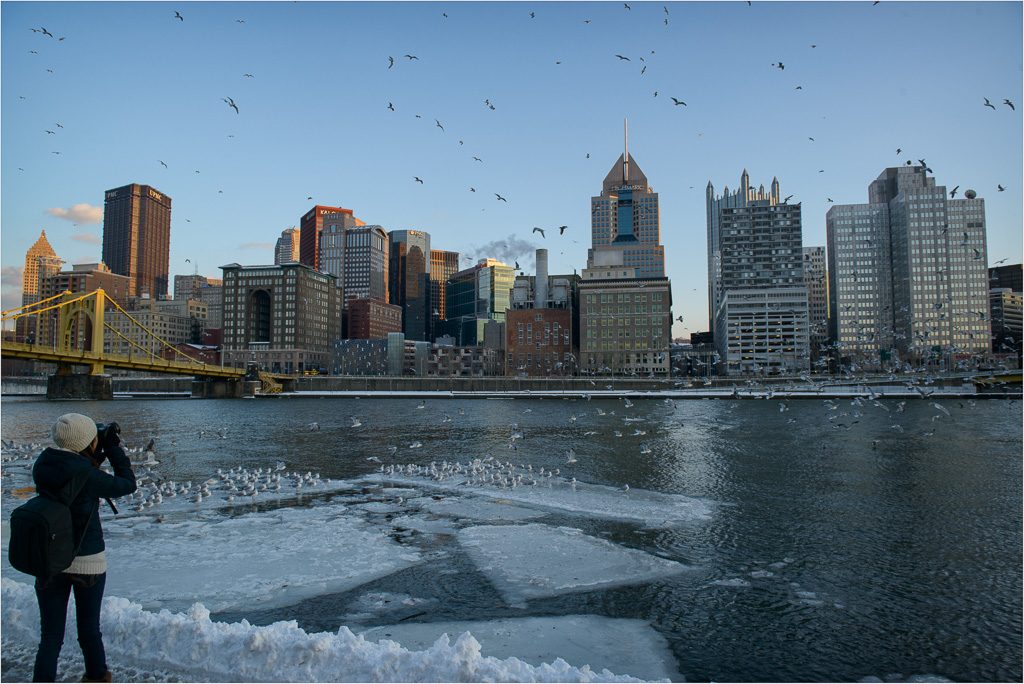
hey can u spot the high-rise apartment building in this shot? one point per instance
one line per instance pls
(626, 213)
(313, 222)
(757, 295)
(137, 237)
(282, 317)
(358, 256)
(409, 281)
(287, 248)
(918, 256)
(40, 262)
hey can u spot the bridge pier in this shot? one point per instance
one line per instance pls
(79, 386)
(223, 388)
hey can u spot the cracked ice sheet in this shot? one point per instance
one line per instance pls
(652, 509)
(618, 645)
(561, 560)
(267, 559)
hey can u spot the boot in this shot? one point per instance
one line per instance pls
(105, 678)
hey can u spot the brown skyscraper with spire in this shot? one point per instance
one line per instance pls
(40, 262)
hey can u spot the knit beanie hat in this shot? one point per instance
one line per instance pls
(73, 432)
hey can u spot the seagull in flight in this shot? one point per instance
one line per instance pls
(621, 57)
(391, 107)
(231, 103)
(179, 16)
(561, 229)
(989, 104)
(478, 159)
(952, 193)
(165, 165)
(391, 62)
(501, 198)
(411, 57)
(780, 65)
(417, 179)
(1009, 104)
(439, 124)
(678, 102)
(1000, 188)
(539, 230)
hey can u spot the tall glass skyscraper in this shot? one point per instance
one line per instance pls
(137, 237)
(409, 281)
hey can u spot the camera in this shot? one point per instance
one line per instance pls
(102, 431)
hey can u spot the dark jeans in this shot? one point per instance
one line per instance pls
(53, 595)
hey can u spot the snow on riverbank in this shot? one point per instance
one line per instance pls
(190, 644)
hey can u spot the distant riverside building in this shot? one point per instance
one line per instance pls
(625, 320)
(757, 295)
(409, 281)
(358, 256)
(287, 248)
(40, 262)
(909, 272)
(282, 317)
(359, 357)
(372, 319)
(313, 222)
(171, 322)
(137, 237)
(816, 279)
(209, 291)
(443, 265)
(475, 296)
(1005, 309)
(542, 324)
(81, 278)
(627, 213)
(188, 286)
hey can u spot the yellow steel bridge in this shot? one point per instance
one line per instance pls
(75, 329)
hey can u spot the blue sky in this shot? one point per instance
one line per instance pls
(131, 85)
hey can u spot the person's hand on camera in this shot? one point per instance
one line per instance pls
(111, 437)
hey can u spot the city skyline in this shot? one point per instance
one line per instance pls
(818, 95)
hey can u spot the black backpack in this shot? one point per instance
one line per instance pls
(42, 541)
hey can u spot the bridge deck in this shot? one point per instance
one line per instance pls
(18, 350)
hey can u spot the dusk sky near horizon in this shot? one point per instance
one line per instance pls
(122, 88)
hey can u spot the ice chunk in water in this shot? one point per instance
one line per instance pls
(264, 559)
(559, 560)
(618, 645)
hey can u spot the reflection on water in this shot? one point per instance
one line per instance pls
(831, 553)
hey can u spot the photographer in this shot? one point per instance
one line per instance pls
(80, 447)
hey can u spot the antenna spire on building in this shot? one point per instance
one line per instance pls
(625, 150)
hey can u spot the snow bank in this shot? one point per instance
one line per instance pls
(239, 652)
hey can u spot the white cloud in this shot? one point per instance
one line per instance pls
(79, 213)
(87, 237)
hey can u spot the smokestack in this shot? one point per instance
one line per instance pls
(541, 289)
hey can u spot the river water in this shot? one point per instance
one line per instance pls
(865, 540)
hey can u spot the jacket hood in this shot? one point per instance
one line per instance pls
(55, 467)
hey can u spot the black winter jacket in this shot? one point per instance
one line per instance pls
(55, 467)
